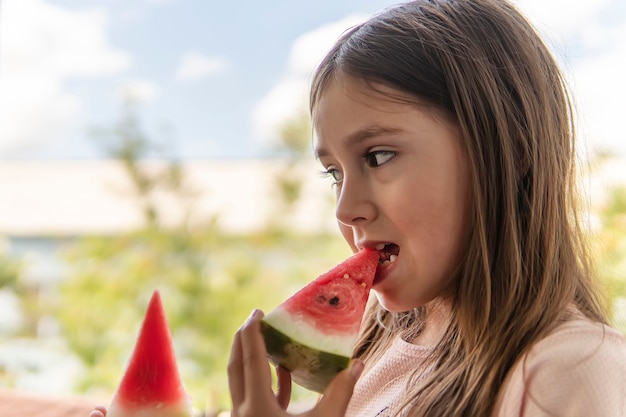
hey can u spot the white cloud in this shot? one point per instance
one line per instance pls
(290, 95)
(309, 49)
(35, 110)
(561, 17)
(600, 90)
(43, 46)
(136, 91)
(591, 51)
(282, 103)
(195, 65)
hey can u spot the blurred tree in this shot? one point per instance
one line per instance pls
(127, 143)
(295, 145)
(292, 147)
(209, 280)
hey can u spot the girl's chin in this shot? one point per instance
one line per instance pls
(388, 303)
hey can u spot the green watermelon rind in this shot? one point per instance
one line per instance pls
(310, 368)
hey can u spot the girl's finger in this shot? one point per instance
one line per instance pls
(235, 372)
(284, 387)
(256, 370)
(98, 411)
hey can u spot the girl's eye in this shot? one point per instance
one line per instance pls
(334, 173)
(377, 158)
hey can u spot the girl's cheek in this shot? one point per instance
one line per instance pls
(348, 235)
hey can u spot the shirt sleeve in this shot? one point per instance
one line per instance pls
(577, 371)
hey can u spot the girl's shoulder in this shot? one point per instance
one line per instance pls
(589, 335)
(578, 369)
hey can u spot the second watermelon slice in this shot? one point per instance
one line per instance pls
(151, 386)
(312, 334)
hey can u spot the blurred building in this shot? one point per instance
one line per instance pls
(96, 197)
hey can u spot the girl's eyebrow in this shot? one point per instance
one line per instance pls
(360, 136)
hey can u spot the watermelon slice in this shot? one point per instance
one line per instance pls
(312, 333)
(151, 386)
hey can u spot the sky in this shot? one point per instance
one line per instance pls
(215, 79)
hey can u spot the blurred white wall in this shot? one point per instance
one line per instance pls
(93, 197)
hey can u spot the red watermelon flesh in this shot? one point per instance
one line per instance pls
(342, 292)
(151, 385)
(312, 333)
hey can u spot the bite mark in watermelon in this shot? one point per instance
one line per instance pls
(151, 385)
(312, 333)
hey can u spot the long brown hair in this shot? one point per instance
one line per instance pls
(483, 64)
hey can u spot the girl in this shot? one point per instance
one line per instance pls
(447, 131)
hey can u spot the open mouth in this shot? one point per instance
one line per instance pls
(387, 253)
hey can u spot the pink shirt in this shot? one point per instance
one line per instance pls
(577, 370)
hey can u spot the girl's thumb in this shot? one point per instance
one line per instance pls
(337, 395)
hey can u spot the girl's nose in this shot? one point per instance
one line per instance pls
(354, 204)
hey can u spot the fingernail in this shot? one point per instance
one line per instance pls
(256, 314)
(356, 368)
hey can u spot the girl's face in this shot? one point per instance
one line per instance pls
(401, 179)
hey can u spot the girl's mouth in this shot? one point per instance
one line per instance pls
(387, 253)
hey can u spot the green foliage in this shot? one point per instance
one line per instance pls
(610, 253)
(209, 282)
(9, 269)
(127, 143)
(295, 136)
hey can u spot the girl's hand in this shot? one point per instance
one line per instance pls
(250, 380)
(98, 412)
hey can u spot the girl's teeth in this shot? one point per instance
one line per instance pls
(381, 246)
(391, 260)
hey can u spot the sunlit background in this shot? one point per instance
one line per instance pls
(165, 144)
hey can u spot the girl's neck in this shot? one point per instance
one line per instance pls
(437, 320)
